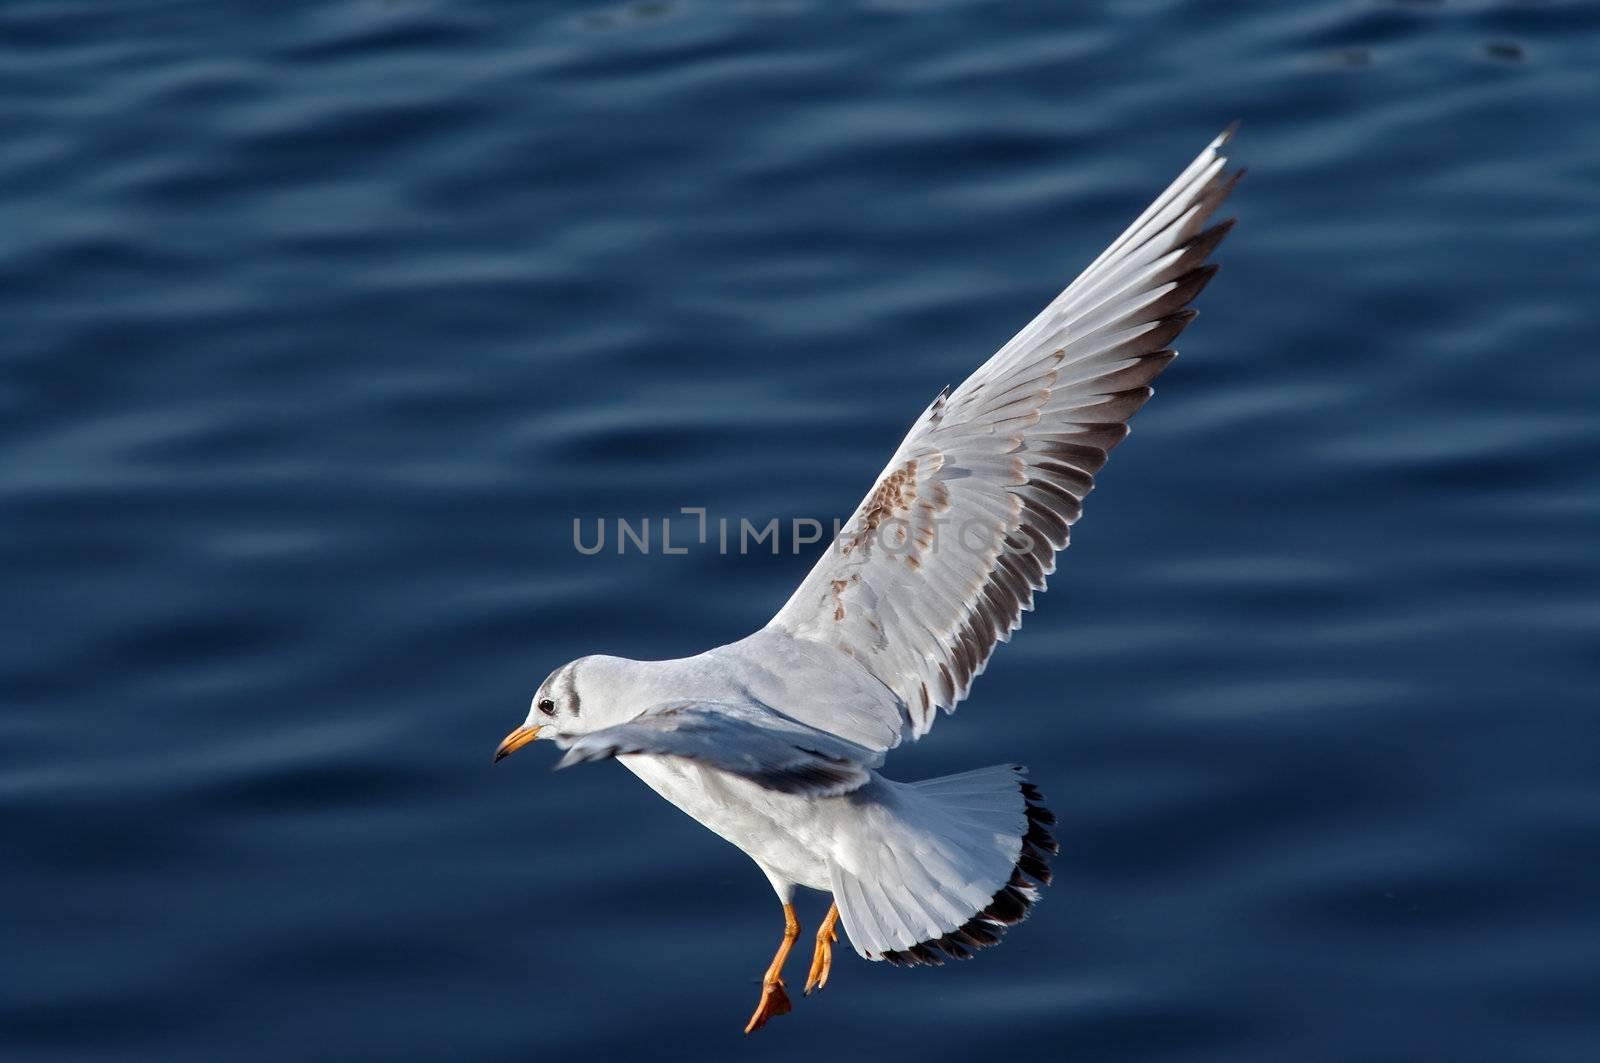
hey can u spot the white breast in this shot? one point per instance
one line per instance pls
(782, 833)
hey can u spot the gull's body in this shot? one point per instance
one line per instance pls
(790, 836)
(773, 742)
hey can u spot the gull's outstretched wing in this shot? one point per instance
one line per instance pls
(943, 556)
(753, 741)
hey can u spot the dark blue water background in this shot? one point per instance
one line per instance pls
(320, 322)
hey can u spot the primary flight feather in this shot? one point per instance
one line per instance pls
(774, 741)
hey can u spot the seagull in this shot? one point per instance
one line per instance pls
(774, 742)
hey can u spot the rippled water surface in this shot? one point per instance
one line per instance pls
(320, 322)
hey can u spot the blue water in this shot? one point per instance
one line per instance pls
(320, 322)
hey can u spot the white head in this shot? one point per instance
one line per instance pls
(581, 696)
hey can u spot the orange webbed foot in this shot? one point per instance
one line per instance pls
(822, 959)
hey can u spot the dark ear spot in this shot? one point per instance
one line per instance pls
(568, 685)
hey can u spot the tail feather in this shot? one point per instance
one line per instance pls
(939, 869)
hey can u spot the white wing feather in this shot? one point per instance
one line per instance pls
(941, 559)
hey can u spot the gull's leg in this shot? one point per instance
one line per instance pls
(774, 999)
(822, 959)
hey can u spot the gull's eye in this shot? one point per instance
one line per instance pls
(547, 706)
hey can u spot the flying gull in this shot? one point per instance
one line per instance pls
(773, 742)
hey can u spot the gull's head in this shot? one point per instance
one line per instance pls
(565, 704)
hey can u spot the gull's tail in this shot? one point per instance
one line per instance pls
(940, 868)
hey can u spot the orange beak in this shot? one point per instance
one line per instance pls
(515, 741)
